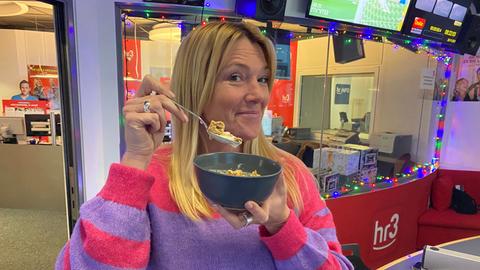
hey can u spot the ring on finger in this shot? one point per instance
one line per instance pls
(146, 106)
(248, 219)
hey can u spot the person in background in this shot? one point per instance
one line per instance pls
(53, 95)
(38, 89)
(24, 92)
(460, 92)
(472, 91)
(151, 213)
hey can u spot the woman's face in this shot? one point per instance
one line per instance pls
(241, 91)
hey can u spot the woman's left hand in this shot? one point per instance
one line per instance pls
(272, 214)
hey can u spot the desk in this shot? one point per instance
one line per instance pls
(469, 245)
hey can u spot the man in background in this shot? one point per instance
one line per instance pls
(24, 92)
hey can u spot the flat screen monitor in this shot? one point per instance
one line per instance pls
(384, 14)
(438, 20)
(14, 125)
(39, 125)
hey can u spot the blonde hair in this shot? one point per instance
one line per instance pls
(199, 60)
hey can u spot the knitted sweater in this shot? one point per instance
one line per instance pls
(133, 223)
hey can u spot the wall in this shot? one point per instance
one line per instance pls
(398, 102)
(462, 132)
(18, 49)
(32, 177)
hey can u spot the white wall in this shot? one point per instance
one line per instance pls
(460, 146)
(19, 48)
(398, 104)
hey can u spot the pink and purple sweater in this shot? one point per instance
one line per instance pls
(133, 223)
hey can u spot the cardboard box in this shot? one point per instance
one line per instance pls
(329, 182)
(342, 161)
(368, 155)
(368, 174)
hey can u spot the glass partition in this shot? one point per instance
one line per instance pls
(359, 112)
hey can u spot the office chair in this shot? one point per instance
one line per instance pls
(352, 252)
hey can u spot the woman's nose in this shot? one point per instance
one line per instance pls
(256, 92)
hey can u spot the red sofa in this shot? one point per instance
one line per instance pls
(441, 224)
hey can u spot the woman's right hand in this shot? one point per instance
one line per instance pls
(144, 131)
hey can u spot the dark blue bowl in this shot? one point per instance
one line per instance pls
(230, 191)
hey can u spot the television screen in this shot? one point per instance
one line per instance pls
(385, 14)
(439, 20)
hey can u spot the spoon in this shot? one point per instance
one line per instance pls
(226, 140)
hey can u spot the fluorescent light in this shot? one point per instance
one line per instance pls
(12, 8)
(44, 76)
(165, 32)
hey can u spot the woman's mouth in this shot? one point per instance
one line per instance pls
(249, 114)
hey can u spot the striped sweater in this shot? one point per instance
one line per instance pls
(133, 223)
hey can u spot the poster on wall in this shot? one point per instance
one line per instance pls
(468, 80)
(342, 93)
(43, 81)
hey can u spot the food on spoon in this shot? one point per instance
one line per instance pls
(218, 128)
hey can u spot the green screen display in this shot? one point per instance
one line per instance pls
(385, 14)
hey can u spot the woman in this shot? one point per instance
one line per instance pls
(151, 212)
(460, 91)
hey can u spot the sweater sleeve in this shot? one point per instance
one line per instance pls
(308, 241)
(113, 231)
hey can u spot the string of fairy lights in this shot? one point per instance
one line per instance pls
(418, 171)
(416, 45)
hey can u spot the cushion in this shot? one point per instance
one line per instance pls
(450, 219)
(442, 189)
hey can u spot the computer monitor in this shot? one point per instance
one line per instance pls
(39, 125)
(387, 15)
(15, 125)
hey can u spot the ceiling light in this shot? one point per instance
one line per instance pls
(165, 32)
(12, 8)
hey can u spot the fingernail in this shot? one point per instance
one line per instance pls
(249, 205)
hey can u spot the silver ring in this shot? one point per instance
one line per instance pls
(248, 219)
(146, 106)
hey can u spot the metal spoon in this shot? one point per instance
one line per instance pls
(210, 134)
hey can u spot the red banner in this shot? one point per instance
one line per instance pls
(283, 92)
(132, 67)
(21, 107)
(385, 222)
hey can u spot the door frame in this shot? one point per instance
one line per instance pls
(70, 92)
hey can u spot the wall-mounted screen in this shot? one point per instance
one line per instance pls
(385, 14)
(439, 20)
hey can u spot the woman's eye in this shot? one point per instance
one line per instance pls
(263, 80)
(235, 77)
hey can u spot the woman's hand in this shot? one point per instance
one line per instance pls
(144, 131)
(272, 214)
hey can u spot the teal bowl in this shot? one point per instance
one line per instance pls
(232, 191)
